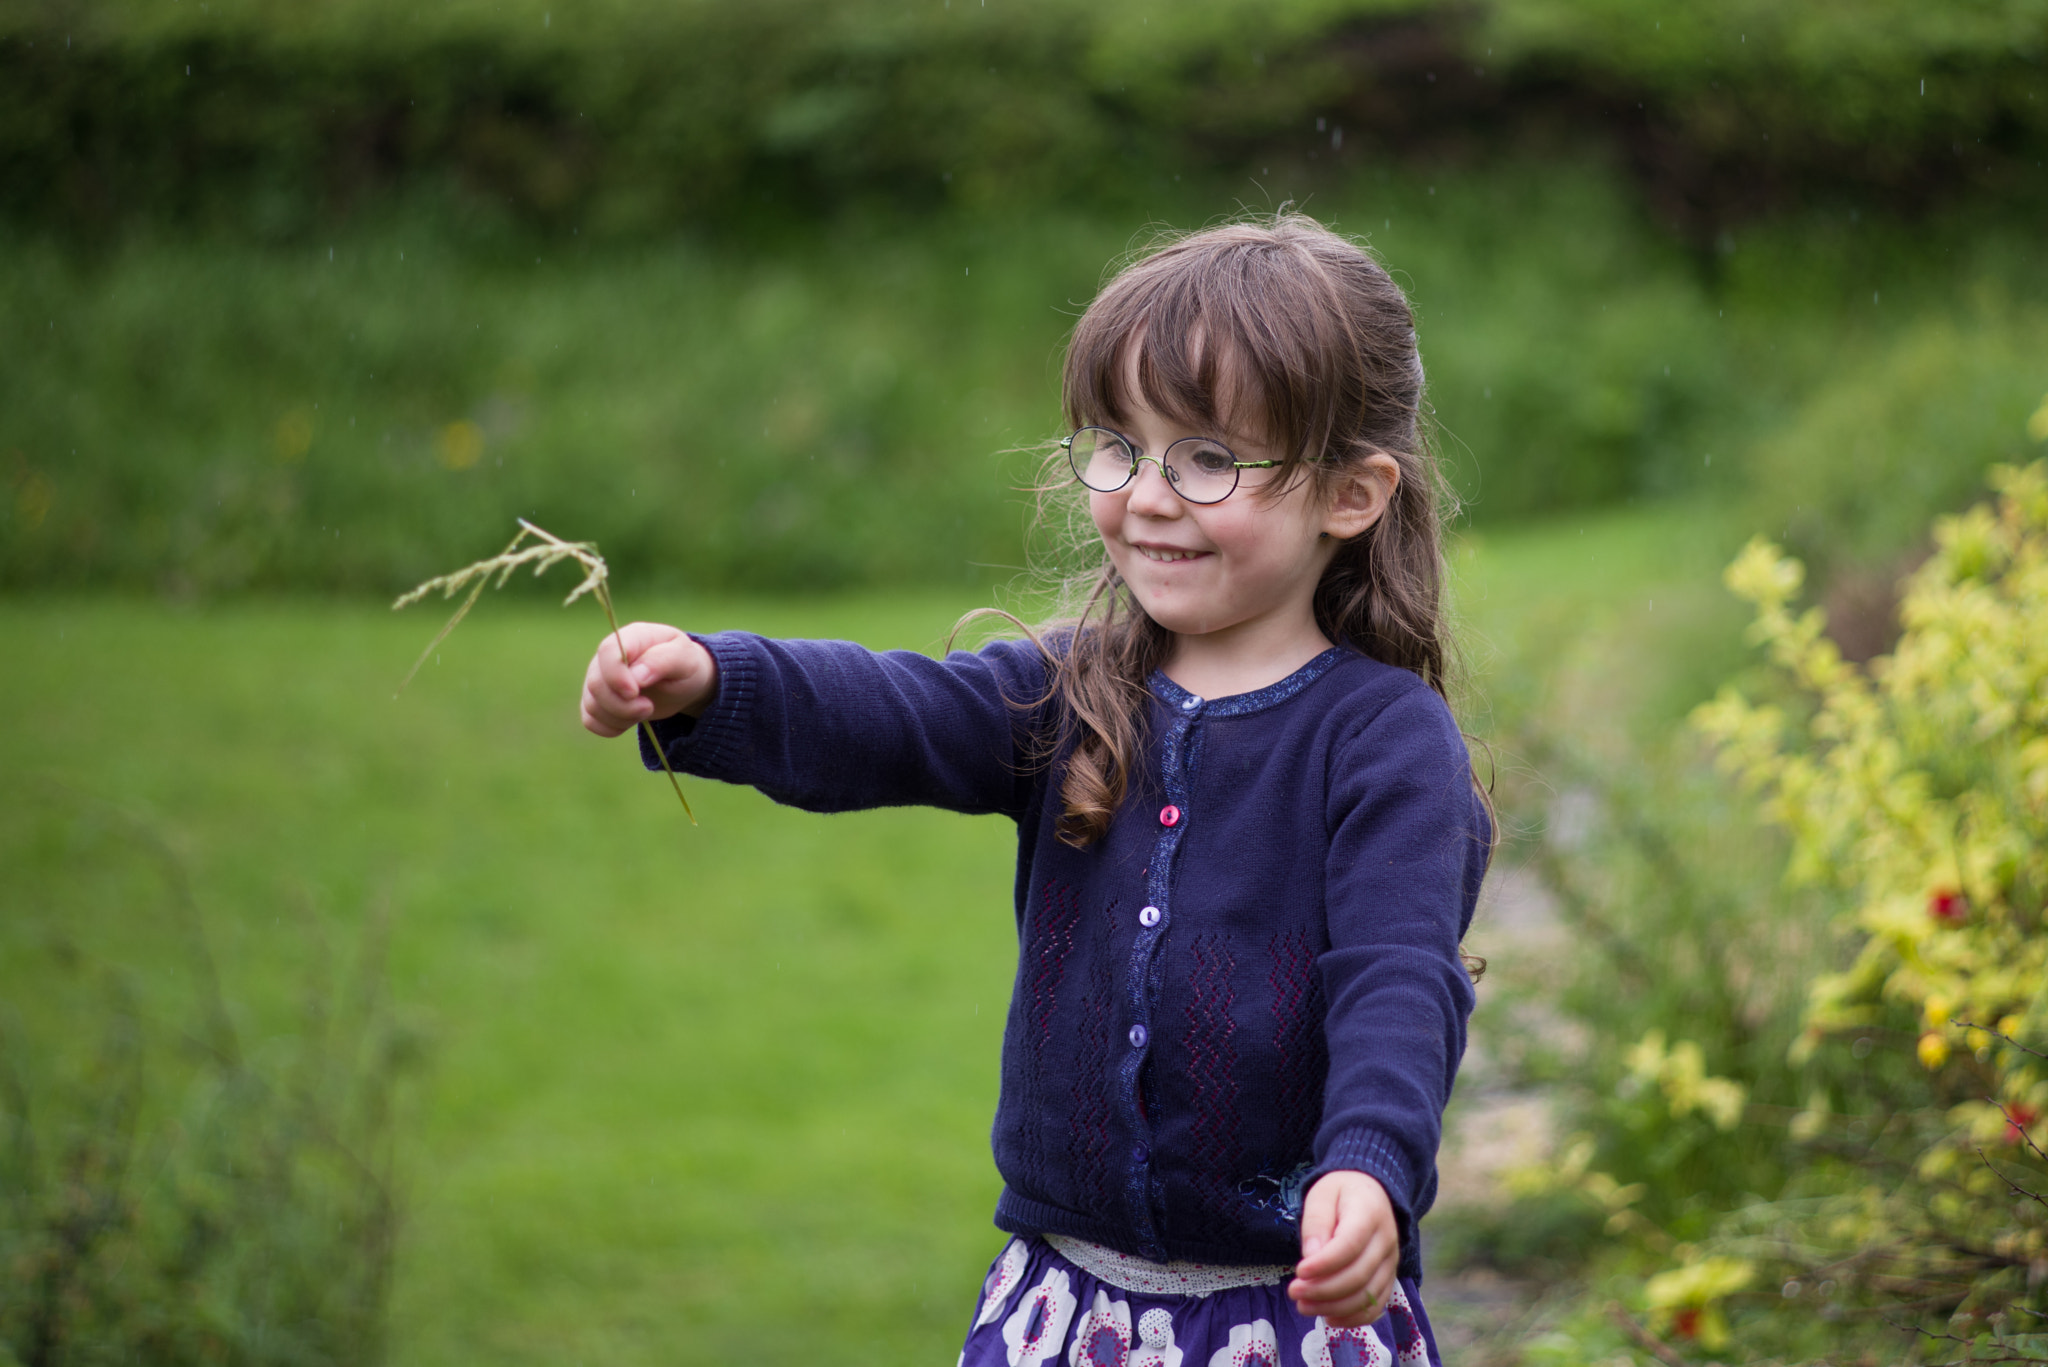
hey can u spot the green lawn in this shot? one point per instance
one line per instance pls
(695, 1095)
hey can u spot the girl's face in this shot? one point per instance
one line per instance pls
(1245, 568)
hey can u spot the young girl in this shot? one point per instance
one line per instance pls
(1249, 840)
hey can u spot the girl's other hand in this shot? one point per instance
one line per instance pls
(664, 672)
(1350, 1250)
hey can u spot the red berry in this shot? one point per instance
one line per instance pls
(2018, 1119)
(1948, 906)
(1686, 1323)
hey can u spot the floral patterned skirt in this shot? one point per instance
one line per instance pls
(1039, 1306)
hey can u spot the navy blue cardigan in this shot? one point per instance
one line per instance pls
(1252, 980)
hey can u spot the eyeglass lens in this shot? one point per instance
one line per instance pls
(1200, 470)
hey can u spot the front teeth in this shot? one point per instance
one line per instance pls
(1151, 554)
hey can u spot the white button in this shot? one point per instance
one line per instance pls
(1191, 704)
(1149, 916)
(1139, 1034)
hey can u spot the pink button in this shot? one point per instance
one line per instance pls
(1169, 816)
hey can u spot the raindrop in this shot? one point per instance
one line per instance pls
(1667, 372)
(188, 68)
(330, 253)
(547, 19)
(1321, 124)
(1923, 85)
(1336, 139)
(1873, 296)
(967, 270)
(1791, 1291)
(1710, 458)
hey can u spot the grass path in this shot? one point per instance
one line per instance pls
(696, 1095)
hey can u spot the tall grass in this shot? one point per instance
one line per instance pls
(176, 1190)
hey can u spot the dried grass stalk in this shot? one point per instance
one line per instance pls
(542, 550)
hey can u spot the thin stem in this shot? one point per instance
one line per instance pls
(1998, 1034)
(604, 598)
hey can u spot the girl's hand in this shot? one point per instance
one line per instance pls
(1350, 1249)
(664, 672)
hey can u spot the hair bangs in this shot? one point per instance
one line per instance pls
(1213, 341)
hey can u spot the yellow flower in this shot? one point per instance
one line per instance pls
(460, 445)
(1933, 1050)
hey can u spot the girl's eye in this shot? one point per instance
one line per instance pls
(1209, 460)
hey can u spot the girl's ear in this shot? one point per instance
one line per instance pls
(1361, 497)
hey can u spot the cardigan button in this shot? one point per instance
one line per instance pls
(1139, 1034)
(1149, 917)
(1191, 704)
(1140, 1153)
(1169, 815)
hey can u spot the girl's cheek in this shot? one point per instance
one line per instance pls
(1106, 510)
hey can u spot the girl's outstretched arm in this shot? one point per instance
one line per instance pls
(665, 672)
(1349, 1250)
(829, 726)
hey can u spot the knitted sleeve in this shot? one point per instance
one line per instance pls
(831, 726)
(1408, 847)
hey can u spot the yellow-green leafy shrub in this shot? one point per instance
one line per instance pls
(1918, 788)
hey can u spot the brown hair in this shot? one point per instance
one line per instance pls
(1287, 331)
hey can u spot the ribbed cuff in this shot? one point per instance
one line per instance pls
(704, 745)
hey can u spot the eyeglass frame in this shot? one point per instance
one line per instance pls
(1138, 457)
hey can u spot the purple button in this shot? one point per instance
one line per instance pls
(1149, 917)
(1169, 815)
(1141, 1153)
(1139, 1034)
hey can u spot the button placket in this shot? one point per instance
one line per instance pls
(1145, 965)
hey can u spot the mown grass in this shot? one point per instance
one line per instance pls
(695, 1095)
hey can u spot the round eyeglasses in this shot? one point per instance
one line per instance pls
(1199, 469)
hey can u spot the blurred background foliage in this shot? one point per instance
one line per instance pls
(772, 295)
(302, 301)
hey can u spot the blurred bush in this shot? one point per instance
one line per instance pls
(170, 1190)
(1813, 1115)
(266, 115)
(843, 406)
(1897, 434)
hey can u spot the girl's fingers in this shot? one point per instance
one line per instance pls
(1346, 1312)
(644, 671)
(669, 661)
(1356, 1287)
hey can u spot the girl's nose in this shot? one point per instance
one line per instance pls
(1151, 495)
